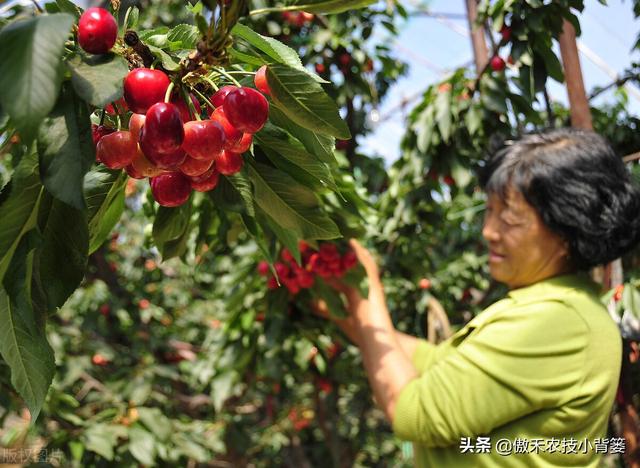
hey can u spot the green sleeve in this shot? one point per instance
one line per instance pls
(423, 356)
(520, 361)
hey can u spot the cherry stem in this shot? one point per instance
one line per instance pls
(102, 114)
(201, 96)
(192, 107)
(211, 82)
(260, 11)
(167, 95)
(222, 72)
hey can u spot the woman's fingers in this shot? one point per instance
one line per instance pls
(366, 259)
(320, 308)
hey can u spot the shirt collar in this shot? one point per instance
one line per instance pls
(556, 285)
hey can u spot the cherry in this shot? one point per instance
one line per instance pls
(218, 98)
(232, 135)
(205, 182)
(195, 167)
(120, 104)
(117, 149)
(144, 304)
(228, 163)
(143, 88)
(349, 260)
(320, 68)
(505, 31)
(170, 189)
(183, 107)
(450, 181)
(97, 30)
(135, 125)
(133, 173)
(98, 131)
(243, 145)
(344, 59)
(497, 64)
(263, 268)
(424, 283)
(246, 109)
(169, 161)
(145, 167)
(99, 360)
(163, 131)
(260, 80)
(203, 139)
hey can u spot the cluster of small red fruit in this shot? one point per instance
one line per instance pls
(325, 263)
(166, 141)
(297, 18)
(497, 63)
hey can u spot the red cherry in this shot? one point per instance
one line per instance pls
(97, 30)
(99, 360)
(424, 283)
(163, 131)
(120, 104)
(272, 283)
(105, 309)
(195, 167)
(228, 163)
(135, 125)
(206, 181)
(324, 385)
(320, 68)
(145, 167)
(450, 181)
(263, 268)
(171, 188)
(98, 131)
(232, 135)
(292, 285)
(203, 139)
(497, 64)
(133, 173)
(260, 80)
(349, 260)
(117, 149)
(143, 88)
(344, 59)
(218, 98)
(178, 101)
(506, 33)
(169, 161)
(243, 145)
(305, 279)
(144, 303)
(246, 109)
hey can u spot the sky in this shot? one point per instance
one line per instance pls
(608, 34)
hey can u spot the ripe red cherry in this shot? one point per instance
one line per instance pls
(195, 167)
(135, 125)
(344, 59)
(117, 149)
(203, 139)
(171, 188)
(143, 88)
(205, 182)
(133, 173)
(243, 145)
(121, 104)
(169, 161)
(497, 64)
(218, 98)
(183, 107)
(320, 68)
(99, 360)
(260, 80)
(424, 283)
(163, 131)
(263, 268)
(505, 32)
(97, 30)
(98, 131)
(246, 109)
(232, 135)
(228, 163)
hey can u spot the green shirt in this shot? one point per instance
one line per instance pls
(542, 363)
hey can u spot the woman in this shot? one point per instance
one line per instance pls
(530, 381)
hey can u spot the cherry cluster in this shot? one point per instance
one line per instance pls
(166, 139)
(497, 63)
(325, 263)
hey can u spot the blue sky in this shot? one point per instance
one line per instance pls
(432, 46)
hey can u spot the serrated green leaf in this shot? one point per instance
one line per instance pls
(168, 62)
(290, 204)
(185, 35)
(141, 445)
(66, 149)
(98, 78)
(304, 101)
(30, 60)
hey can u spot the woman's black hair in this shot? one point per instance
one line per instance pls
(579, 186)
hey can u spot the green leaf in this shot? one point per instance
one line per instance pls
(141, 446)
(287, 237)
(67, 6)
(222, 387)
(290, 155)
(329, 6)
(185, 35)
(171, 230)
(443, 114)
(98, 78)
(131, 18)
(19, 213)
(66, 149)
(168, 62)
(290, 204)
(104, 193)
(304, 101)
(317, 144)
(63, 258)
(30, 59)
(23, 342)
(102, 438)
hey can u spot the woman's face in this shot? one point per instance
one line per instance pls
(522, 250)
